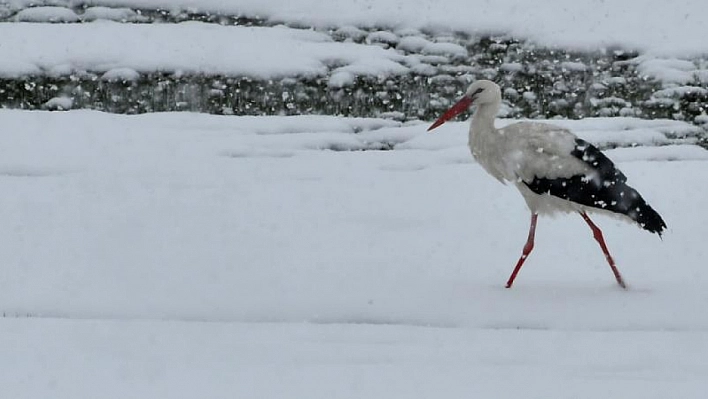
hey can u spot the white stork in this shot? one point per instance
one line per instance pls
(554, 170)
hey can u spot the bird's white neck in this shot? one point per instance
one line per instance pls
(483, 119)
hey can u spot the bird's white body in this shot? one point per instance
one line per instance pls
(523, 151)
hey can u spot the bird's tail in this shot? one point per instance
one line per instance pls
(649, 219)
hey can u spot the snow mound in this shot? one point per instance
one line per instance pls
(573, 66)
(349, 32)
(413, 44)
(511, 67)
(46, 14)
(121, 74)
(59, 104)
(670, 70)
(382, 37)
(445, 49)
(111, 14)
(341, 79)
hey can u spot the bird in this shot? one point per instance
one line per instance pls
(555, 171)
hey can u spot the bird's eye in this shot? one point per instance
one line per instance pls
(477, 92)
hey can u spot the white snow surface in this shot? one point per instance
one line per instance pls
(669, 28)
(184, 255)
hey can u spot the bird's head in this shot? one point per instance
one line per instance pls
(479, 93)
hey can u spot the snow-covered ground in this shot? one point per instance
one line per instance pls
(170, 359)
(185, 255)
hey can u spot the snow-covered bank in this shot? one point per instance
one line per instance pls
(189, 48)
(669, 28)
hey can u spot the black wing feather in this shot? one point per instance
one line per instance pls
(607, 189)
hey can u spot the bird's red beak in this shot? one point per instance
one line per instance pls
(458, 108)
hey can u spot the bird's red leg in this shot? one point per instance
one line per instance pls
(597, 233)
(527, 250)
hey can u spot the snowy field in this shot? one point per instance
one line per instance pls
(184, 255)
